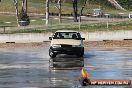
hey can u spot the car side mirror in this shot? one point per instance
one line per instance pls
(50, 38)
(83, 38)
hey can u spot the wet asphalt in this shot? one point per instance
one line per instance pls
(33, 68)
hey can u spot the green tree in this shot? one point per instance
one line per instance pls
(126, 3)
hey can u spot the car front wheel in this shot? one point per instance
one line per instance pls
(51, 54)
(80, 54)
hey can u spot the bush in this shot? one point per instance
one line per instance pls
(23, 19)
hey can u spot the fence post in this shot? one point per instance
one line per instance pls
(4, 28)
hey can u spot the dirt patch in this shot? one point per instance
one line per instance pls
(89, 44)
(108, 44)
(24, 45)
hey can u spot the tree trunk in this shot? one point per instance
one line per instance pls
(118, 6)
(47, 12)
(16, 7)
(82, 9)
(75, 10)
(59, 4)
(24, 6)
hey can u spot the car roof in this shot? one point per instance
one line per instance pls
(66, 31)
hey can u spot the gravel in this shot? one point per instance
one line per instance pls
(87, 44)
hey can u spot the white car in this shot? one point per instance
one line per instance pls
(66, 42)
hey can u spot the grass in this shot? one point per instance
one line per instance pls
(34, 6)
(126, 25)
(8, 21)
(38, 6)
(37, 25)
(11, 21)
(85, 27)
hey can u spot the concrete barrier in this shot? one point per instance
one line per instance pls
(89, 36)
(24, 37)
(110, 35)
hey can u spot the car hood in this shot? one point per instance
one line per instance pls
(66, 41)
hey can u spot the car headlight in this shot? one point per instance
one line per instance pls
(56, 46)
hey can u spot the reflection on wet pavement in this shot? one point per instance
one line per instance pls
(66, 62)
(32, 68)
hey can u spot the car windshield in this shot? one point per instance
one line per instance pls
(66, 35)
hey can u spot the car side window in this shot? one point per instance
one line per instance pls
(61, 36)
(74, 36)
(58, 36)
(79, 36)
(66, 35)
(55, 35)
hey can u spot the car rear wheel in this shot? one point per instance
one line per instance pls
(81, 54)
(51, 54)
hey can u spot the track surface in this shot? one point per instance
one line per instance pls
(31, 67)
